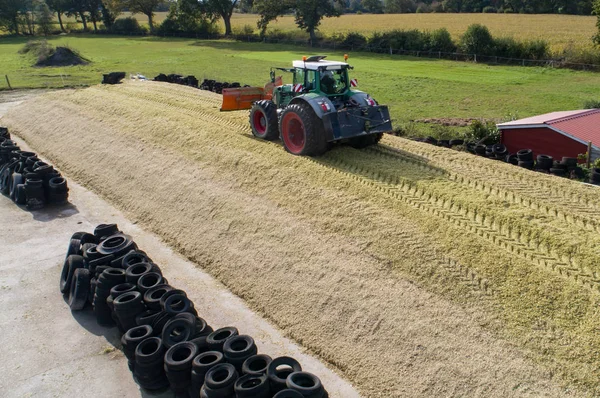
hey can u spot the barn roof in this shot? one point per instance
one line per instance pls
(581, 125)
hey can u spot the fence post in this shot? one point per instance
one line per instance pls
(440, 55)
(475, 57)
(8, 82)
(589, 154)
(391, 50)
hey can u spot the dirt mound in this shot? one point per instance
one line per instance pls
(62, 56)
(416, 271)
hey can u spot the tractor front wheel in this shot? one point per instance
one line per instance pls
(302, 131)
(263, 120)
(365, 140)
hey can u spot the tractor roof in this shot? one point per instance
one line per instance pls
(317, 61)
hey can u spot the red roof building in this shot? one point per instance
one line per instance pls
(556, 134)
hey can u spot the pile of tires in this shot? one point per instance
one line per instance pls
(177, 79)
(442, 143)
(167, 344)
(567, 167)
(26, 179)
(217, 87)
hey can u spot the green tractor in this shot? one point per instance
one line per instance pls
(319, 108)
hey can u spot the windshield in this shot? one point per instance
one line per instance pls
(334, 81)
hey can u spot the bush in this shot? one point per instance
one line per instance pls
(489, 10)
(244, 32)
(508, 47)
(440, 40)
(536, 49)
(483, 131)
(354, 41)
(477, 40)
(38, 48)
(128, 25)
(591, 104)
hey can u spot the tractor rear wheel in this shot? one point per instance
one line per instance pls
(302, 132)
(365, 140)
(263, 120)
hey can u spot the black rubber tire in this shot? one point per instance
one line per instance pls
(20, 195)
(277, 378)
(93, 283)
(512, 159)
(263, 120)
(287, 393)
(146, 318)
(84, 251)
(302, 116)
(58, 184)
(365, 140)
(115, 275)
(134, 272)
(200, 343)
(117, 245)
(480, 149)
(79, 289)
(129, 302)
(305, 383)
(177, 330)
(160, 321)
(176, 304)
(72, 263)
(256, 365)
(134, 257)
(203, 362)
(456, 142)
(252, 386)
(180, 356)
(149, 350)
(526, 164)
(133, 337)
(559, 172)
(105, 230)
(569, 162)
(119, 289)
(216, 339)
(149, 280)
(525, 155)
(221, 377)
(152, 296)
(241, 346)
(16, 179)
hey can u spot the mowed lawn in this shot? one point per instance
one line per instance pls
(414, 88)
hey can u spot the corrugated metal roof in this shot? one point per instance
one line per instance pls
(581, 124)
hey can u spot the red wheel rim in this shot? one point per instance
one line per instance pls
(293, 133)
(259, 121)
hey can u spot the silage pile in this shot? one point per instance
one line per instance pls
(414, 271)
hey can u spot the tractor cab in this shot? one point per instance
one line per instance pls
(315, 75)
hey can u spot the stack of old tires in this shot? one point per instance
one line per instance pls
(166, 343)
(26, 179)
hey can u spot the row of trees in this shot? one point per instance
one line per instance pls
(15, 14)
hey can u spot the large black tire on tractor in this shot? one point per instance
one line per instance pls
(302, 132)
(365, 140)
(263, 120)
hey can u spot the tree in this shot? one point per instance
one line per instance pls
(43, 17)
(223, 8)
(9, 15)
(59, 7)
(597, 12)
(93, 8)
(308, 13)
(400, 6)
(373, 6)
(78, 8)
(145, 7)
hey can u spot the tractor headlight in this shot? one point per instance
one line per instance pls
(370, 101)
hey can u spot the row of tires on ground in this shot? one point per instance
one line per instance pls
(207, 84)
(166, 343)
(566, 167)
(26, 179)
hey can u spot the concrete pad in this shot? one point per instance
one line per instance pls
(47, 351)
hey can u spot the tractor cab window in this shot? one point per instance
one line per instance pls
(299, 76)
(334, 82)
(311, 77)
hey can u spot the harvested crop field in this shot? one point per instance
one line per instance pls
(414, 271)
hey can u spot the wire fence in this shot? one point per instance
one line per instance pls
(454, 56)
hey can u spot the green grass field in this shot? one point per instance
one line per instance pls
(414, 88)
